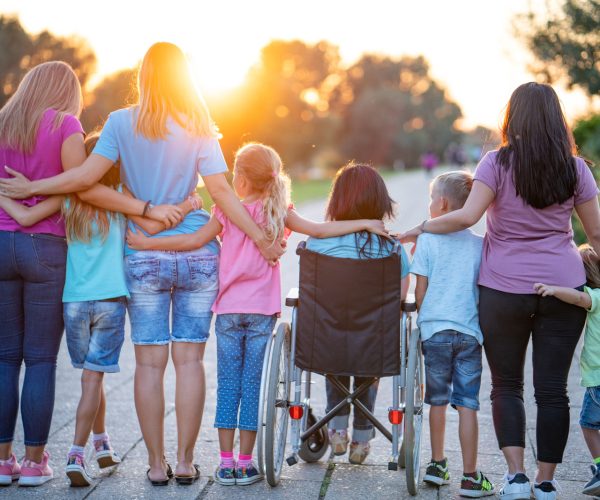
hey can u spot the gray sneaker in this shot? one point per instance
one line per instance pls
(592, 488)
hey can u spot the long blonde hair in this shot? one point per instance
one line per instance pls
(50, 85)
(591, 264)
(80, 216)
(166, 89)
(262, 167)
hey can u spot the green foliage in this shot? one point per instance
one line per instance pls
(565, 43)
(20, 51)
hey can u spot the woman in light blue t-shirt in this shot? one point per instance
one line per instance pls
(358, 192)
(164, 142)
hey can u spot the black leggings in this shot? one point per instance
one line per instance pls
(507, 321)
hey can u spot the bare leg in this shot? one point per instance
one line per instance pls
(437, 430)
(545, 472)
(226, 437)
(468, 433)
(99, 426)
(91, 389)
(247, 440)
(515, 458)
(189, 401)
(5, 451)
(592, 439)
(151, 361)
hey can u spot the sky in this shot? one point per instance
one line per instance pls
(468, 43)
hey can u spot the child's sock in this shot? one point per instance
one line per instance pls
(443, 462)
(597, 460)
(76, 450)
(227, 459)
(103, 436)
(472, 475)
(244, 460)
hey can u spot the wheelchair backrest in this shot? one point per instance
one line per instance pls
(348, 320)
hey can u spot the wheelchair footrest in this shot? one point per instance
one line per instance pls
(392, 465)
(291, 460)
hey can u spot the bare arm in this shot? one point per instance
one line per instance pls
(155, 227)
(589, 215)
(480, 198)
(28, 216)
(421, 289)
(299, 224)
(404, 286)
(568, 295)
(182, 242)
(227, 201)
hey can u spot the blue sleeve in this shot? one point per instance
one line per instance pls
(210, 158)
(420, 263)
(108, 145)
(404, 264)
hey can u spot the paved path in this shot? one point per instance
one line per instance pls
(332, 478)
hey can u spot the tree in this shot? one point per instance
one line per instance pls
(391, 109)
(565, 43)
(20, 51)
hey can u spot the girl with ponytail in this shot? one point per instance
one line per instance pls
(249, 298)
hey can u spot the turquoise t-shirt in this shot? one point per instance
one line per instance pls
(349, 245)
(451, 264)
(95, 269)
(589, 362)
(162, 171)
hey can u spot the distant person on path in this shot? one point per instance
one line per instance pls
(358, 192)
(447, 268)
(164, 142)
(530, 187)
(249, 298)
(588, 299)
(429, 161)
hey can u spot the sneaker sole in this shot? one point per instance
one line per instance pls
(34, 480)
(475, 493)
(516, 496)
(107, 460)
(357, 461)
(250, 480)
(224, 482)
(436, 481)
(592, 490)
(78, 477)
(8, 480)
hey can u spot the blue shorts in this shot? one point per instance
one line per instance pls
(452, 369)
(188, 280)
(590, 409)
(95, 333)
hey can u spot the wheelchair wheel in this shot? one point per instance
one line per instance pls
(317, 444)
(277, 393)
(262, 413)
(413, 417)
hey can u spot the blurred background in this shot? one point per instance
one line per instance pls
(400, 85)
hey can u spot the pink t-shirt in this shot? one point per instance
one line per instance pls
(44, 161)
(524, 245)
(247, 283)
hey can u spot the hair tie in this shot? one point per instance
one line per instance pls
(274, 173)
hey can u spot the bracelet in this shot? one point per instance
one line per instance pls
(146, 207)
(422, 226)
(194, 202)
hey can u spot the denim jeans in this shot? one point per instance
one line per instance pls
(32, 276)
(362, 427)
(95, 332)
(241, 344)
(590, 409)
(188, 280)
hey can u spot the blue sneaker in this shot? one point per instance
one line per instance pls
(247, 475)
(225, 475)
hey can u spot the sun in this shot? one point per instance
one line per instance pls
(216, 73)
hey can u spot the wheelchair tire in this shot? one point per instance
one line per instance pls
(262, 414)
(278, 395)
(413, 415)
(313, 449)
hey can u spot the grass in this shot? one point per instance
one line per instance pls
(302, 191)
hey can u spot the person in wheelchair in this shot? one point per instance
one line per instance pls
(447, 268)
(358, 192)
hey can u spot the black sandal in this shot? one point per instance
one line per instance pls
(186, 480)
(161, 482)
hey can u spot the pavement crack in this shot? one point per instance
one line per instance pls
(327, 479)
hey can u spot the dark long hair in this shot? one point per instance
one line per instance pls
(539, 146)
(359, 192)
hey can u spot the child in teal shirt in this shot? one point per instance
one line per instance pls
(589, 299)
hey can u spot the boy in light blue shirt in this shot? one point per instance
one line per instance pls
(447, 269)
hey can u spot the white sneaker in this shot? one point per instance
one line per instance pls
(519, 488)
(546, 490)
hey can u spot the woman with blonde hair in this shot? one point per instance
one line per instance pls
(164, 142)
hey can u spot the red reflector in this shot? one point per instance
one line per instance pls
(296, 412)
(395, 416)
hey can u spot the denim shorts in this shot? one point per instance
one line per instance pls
(187, 280)
(95, 333)
(452, 369)
(590, 409)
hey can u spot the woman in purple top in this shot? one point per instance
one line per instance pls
(529, 188)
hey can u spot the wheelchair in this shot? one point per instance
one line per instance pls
(347, 319)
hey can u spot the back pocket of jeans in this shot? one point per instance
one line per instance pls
(203, 270)
(142, 274)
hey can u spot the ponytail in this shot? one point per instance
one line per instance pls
(276, 204)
